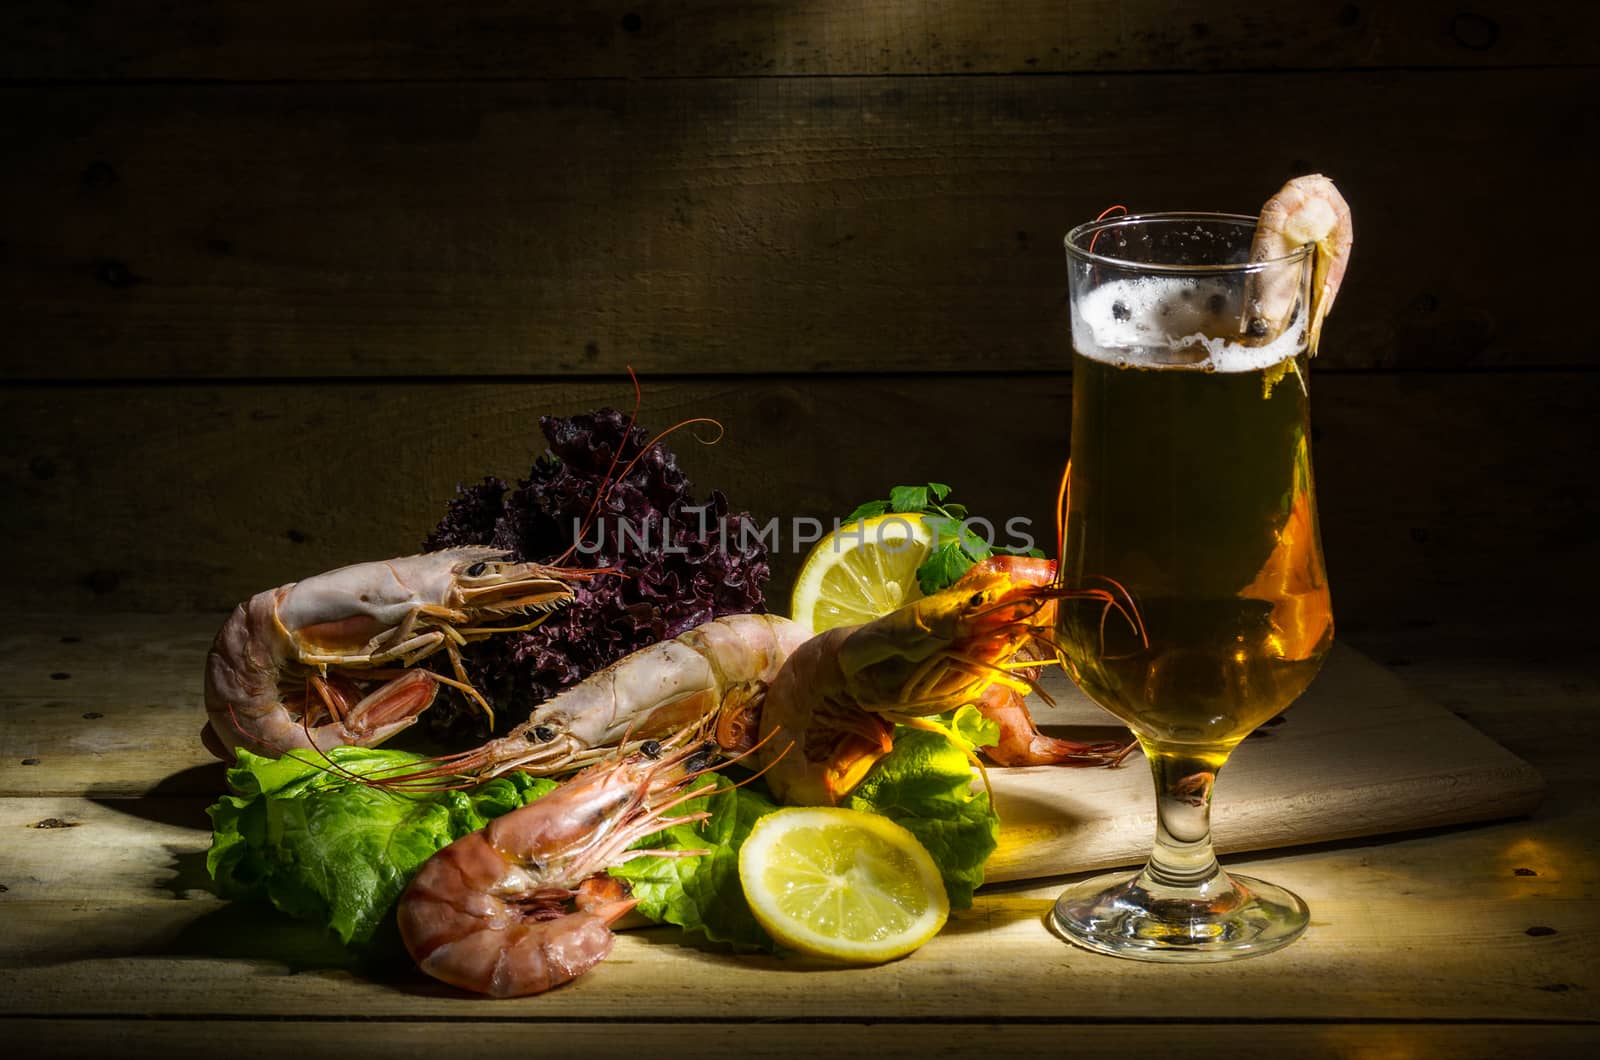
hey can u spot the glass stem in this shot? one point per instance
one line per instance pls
(1183, 858)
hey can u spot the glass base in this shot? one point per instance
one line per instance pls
(1130, 916)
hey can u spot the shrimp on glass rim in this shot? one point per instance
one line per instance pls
(1307, 211)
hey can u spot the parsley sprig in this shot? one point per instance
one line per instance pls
(957, 545)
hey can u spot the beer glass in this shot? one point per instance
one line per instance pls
(1199, 604)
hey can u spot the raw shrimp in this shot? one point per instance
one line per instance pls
(717, 670)
(489, 914)
(1307, 210)
(829, 716)
(1021, 743)
(290, 667)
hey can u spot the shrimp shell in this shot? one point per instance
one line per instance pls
(488, 912)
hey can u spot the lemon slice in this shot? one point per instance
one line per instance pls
(842, 884)
(861, 571)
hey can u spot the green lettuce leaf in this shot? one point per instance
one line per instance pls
(702, 894)
(925, 784)
(324, 848)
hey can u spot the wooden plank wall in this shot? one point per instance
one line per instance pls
(271, 284)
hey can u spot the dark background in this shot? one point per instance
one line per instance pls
(275, 277)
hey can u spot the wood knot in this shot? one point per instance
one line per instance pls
(1474, 32)
(99, 175)
(114, 274)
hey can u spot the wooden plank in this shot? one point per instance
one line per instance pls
(1407, 956)
(172, 498)
(100, 852)
(1358, 754)
(1531, 688)
(124, 721)
(167, 1039)
(835, 224)
(1483, 924)
(651, 38)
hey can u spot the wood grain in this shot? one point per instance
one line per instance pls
(1361, 756)
(158, 959)
(236, 40)
(700, 226)
(186, 959)
(1358, 755)
(268, 1040)
(169, 498)
(108, 920)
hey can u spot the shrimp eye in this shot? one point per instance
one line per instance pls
(651, 748)
(477, 569)
(705, 756)
(543, 733)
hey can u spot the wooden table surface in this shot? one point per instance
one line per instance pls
(1464, 941)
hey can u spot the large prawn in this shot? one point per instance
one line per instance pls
(829, 716)
(1306, 211)
(294, 667)
(489, 913)
(719, 670)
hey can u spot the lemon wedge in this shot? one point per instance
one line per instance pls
(861, 571)
(842, 884)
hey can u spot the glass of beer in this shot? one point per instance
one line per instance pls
(1198, 603)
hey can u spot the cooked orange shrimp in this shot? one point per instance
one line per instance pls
(718, 668)
(1307, 210)
(1021, 743)
(842, 692)
(291, 666)
(488, 913)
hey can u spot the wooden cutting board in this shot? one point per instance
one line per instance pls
(1359, 754)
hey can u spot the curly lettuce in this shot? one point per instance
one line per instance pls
(676, 561)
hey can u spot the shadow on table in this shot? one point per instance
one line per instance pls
(179, 799)
(255, 931)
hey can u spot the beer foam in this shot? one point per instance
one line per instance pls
(1170, 321)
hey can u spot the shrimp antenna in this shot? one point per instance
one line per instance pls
(612, 479)
(601, 493)
(327, 764)
(1063, 499)
(1107, 212)
(746, 753)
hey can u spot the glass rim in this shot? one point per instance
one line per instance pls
(1092, 228)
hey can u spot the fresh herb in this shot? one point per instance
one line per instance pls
(322, 847)
(957, 545)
